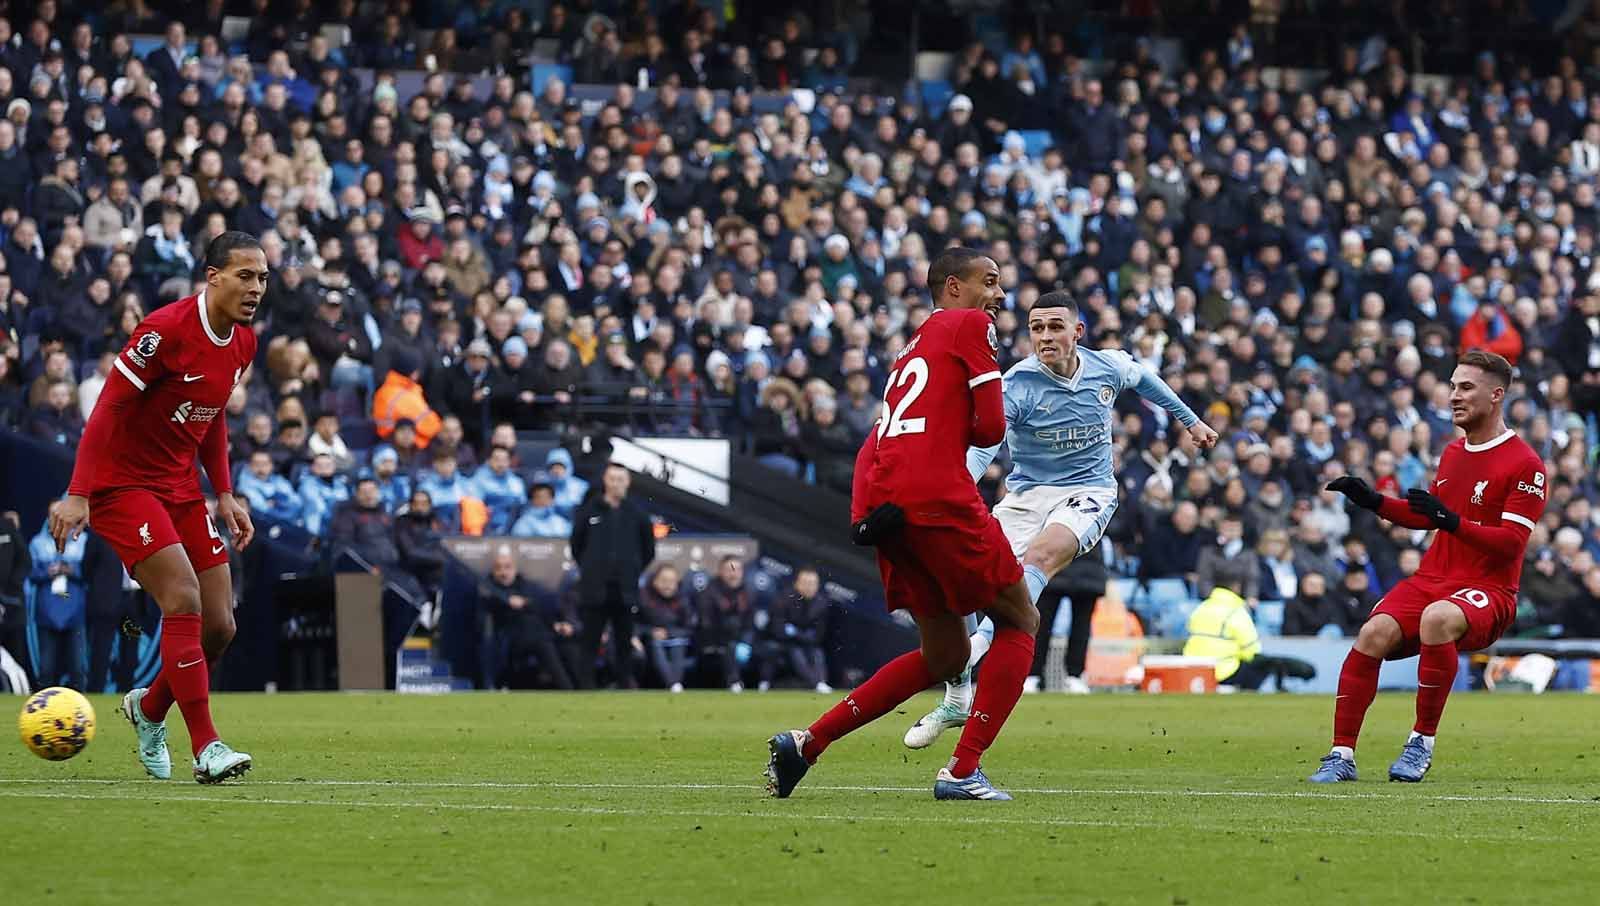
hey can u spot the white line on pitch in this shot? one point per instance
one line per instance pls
(687, 787)
(781, 814)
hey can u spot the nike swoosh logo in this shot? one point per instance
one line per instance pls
(217, 549)
(190, 378)
(1440, 482)
(182, 665)
(1427, 686)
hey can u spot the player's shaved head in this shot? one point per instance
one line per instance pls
(958, 262)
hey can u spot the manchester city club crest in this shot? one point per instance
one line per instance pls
(1107, 394)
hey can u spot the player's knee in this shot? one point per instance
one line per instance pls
(217, 635)
(1379, 636)
(1442, 619)
(1019, 614)
(181, 597)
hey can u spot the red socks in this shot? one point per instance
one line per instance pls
(1436, 673)
(184, 679)
(1005, 669)
(157, 699)
(1358, 685)
(885, 690)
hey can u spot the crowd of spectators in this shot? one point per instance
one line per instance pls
(735, 243)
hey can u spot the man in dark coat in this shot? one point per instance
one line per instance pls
(613, 541)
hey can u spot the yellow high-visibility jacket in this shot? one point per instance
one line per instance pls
(1221, 628)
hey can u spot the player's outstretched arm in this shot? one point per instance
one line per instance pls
(1149, 385)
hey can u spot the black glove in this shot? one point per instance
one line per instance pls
(1360, 493)
(883, 523)
(1425, 504)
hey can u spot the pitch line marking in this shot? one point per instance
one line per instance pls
(689, 787)
(927, 817)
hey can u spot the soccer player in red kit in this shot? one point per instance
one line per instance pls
(135, 484)
(1486, 496)
(941, 554)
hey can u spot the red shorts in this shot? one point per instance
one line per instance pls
(137, 523)
(1489, 610)
(956, 569)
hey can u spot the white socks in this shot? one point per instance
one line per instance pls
(1345, 752)
(1426, 740)
(958, 695)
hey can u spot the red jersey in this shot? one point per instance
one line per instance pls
(184, 374)
(929, 421)
(1497, 483)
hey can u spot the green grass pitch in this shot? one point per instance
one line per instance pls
(651, 798)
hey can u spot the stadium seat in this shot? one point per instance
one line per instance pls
(544, 72)
(936, 93)
(1269, 617)
(1035, 141)
(358, 433)
(1172, 620)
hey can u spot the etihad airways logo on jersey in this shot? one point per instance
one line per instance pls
(1536, 489)
(187, 411)
(1076, 437)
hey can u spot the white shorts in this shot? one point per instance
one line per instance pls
(1085, 511)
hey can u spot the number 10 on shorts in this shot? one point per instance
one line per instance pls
(1472, 596)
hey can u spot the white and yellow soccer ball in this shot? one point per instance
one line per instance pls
(56, 723)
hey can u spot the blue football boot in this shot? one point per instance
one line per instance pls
(1413, 763)
(1335, 769)
(976, 786)
(786, 765)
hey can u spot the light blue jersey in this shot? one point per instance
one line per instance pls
(1059, 429)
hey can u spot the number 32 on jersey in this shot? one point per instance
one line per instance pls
(895, 423)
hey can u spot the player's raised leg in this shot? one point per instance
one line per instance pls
(1016, 622)
(1358, 686)
(957, 704)
(943, 653)
(170, 578)
(1443, 624)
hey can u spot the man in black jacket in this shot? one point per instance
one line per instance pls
(525, 636)
(342, 348)
(793, 633)
(469, 392)
(727, 621)
(416, 536)
(613, 542)
(15, 565)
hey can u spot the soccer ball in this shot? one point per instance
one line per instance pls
(56, 723)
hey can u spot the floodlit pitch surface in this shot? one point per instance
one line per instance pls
(651, 798)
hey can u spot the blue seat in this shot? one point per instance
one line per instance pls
(1269, 618)
(1154, 598)
(1035, 141)
(936, 93)
(1172, 620)
(544, 72)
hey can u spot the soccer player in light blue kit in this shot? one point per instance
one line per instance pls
(1061, 492)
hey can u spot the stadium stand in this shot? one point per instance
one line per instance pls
(540, 226)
